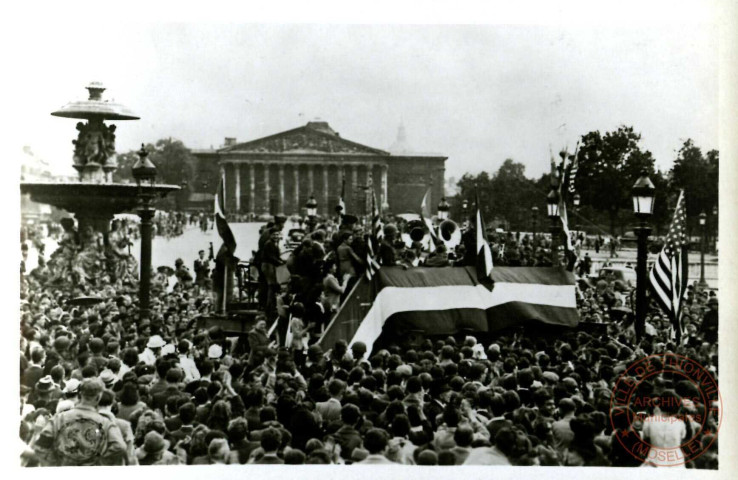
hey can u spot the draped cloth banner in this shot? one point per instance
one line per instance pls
(443, 301)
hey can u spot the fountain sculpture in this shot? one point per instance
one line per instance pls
(94, 199)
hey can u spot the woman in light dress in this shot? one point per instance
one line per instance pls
(665, 430)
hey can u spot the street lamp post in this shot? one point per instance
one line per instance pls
(312, 210)
(443, 208)
(703, 226)
(144, 172)
(552, 203)
(643, 200)
(464, 208)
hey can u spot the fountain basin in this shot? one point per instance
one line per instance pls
(94, 203)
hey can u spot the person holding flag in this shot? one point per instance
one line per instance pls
(225, 260)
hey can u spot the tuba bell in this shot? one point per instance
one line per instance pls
(416, 231)
(450, 233)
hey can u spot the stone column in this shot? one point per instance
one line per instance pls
(267, 189)
(252, 189)
(354, 189)
(281, 188)
(237, 174)
(325, 190)
(296, 172)
(311, 189)
(383, 201)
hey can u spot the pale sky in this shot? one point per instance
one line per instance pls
(476, 93)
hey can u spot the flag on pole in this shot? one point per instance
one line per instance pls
(376, 235)
(669, 275)
(225, 260)
(563, 215)
(224, 230)
(377, 225)
(372, 266)
(484, 254)
(426, 216)
(573, 172)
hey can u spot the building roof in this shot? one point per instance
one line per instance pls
(314, 137)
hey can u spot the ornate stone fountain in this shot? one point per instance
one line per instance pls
(94, 199)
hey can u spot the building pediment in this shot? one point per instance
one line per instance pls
(306, 140)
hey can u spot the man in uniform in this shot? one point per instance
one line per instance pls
(82, 436)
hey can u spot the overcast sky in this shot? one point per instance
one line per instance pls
(477, 94)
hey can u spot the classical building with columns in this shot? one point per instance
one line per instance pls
(279, 173)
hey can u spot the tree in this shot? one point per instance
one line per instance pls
(698, 176)
(513, 194)
(125, 164)
(174, 164)
(609, 165)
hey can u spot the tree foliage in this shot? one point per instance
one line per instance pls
(698, 175)
(173, 162)
(506, 196)
(609, 165)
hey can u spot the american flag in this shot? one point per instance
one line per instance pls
(669, 275)
(377, 225)
(573, 173)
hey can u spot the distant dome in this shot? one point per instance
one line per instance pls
(400, 145)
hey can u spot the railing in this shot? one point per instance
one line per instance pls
(348, 317)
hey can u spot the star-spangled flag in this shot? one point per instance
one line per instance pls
(669, 275)
(484, 253)
(573, 174)
(377, 225)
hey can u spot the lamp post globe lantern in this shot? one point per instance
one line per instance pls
(311, 206)
(552, 205)
(443, 208)
(643, 197)
(643, 194)
(144, 172)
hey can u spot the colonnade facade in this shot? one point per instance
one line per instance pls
(277, 186)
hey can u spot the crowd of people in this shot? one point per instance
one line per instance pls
(100, 386)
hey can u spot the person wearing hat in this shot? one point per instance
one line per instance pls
(45, 394)
(258, 342)
(155, 451)
(82, 436)
(153, 350)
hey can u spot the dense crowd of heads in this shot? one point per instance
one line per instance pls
(174, 392)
